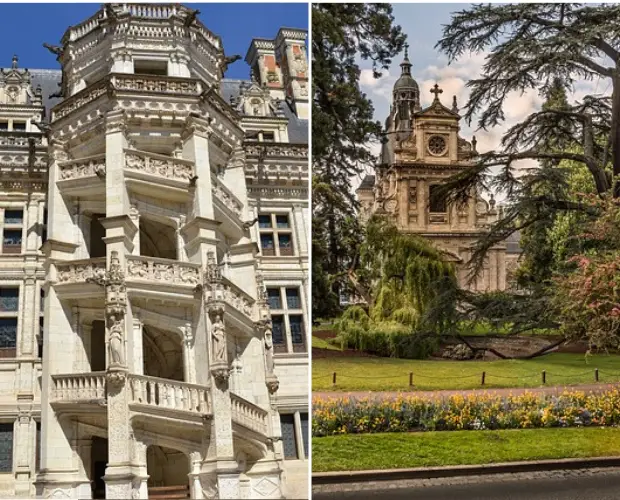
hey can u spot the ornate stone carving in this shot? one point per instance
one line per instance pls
(170, 168)
(59, 493)
(79, 100)
(218, 334)
(229, 200)
(277, 150)
(160, 84)
(81, 271)
(116, 328)
(86, 167)
(178, 273)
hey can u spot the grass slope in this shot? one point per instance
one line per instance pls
(318, 343)
(383, 374)
(425, 449)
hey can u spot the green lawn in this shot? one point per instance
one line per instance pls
(377, 374)
(323, 344)
(425, 449)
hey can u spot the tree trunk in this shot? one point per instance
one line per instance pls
(615, 132)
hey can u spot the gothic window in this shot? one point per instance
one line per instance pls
(437, 145)
(6, 447)
(438, 204)
(276, 235)
(287, 319)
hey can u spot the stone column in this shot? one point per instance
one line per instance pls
(140, 484)
(222, 461)
(189, 359)
(24, 427)
(82, 448)
(195, 486)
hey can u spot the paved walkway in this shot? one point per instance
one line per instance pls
(558, 389)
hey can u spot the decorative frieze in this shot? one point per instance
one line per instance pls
(13, 139)
(163, 271)
(80, 99)
(80, 271)
(264, 150)
(159, 84)
(85, 167)
(168, 167)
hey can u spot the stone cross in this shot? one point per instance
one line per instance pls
(436, 90)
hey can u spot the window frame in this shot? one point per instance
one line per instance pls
(275, 231)
(286, 312)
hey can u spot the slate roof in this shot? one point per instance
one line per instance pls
(297, 129)
(368, 182)
(49, 80)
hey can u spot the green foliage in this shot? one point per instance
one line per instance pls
(342, 127)
(407, 278)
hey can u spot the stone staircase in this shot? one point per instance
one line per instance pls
(168, 492)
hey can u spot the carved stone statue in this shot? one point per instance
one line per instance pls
(116, 341)
(219, 339)
(269, 349)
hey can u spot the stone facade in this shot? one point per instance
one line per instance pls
(422, 148)
(154, 267)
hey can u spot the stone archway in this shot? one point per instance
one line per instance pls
(168, 471)
(163, 354)
(157, 239)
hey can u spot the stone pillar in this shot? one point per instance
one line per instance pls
(221, 461)
(196, 148)
(32, 221)
(140, 484)
(195, 486)
(189, 358)
(82, 448)
(24, 471)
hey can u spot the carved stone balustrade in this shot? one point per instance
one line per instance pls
(249, 415)
(154, 83)
(79, 271)
(78, 387)
(20, 139)
(226, 197)
(84, 167)
(226, 291)
(159, 165)
(80, 99)
(169, 394)
(165, 271)
(266, 150)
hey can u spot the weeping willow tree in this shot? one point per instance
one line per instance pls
(406, 285)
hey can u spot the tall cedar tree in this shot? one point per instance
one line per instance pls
(533, 46)
(342, 127)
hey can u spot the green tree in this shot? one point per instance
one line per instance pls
(409, 290)
(533, 46)
(342, 127)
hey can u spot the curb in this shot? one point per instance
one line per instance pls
(463, 470)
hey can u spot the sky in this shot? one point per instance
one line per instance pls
(423, 24)
(235, 23)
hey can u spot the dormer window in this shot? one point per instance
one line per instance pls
(143, 67)
(12, 93)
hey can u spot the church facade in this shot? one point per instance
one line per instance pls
(421, 149)
(154, 264)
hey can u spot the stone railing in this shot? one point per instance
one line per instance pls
(154, 83)
(78, 271)
(165, 271)
(276, 150)
(80, 99)
(152, 11)
(234, 296)
(226, 197)
(161, 165)
(248, 414)
(169, 394)
(84, 167)
(20, 139)
(78, 387)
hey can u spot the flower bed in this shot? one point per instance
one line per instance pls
(473, 412)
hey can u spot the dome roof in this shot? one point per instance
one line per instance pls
(406, 80)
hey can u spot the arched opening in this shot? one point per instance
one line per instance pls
(168, 471)
(157, 239)
(99, 462)
(163, 354)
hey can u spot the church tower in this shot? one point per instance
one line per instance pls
(421, 149)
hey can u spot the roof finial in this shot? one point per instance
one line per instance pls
(14, 63)
(455, 107)
(436, 90)
(406, 51)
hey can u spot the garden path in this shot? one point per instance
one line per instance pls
(551, 390)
